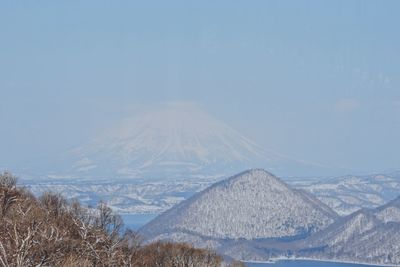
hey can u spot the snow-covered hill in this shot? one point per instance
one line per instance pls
(367, 235)
(255, 216)
(251, 205)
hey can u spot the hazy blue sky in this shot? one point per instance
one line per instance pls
(316, 80)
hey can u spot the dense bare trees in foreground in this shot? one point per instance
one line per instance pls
(49, 231)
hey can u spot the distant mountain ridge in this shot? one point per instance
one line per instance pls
(344, 195)
(368, 235)
(347, 194)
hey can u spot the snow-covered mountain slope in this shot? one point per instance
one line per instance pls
(351, 193)
(366, 235)
(177, 140)
(389, 212)
(251, 205)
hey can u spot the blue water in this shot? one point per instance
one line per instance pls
(305, 263)
(135, 221)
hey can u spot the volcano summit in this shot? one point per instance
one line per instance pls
(176, 140)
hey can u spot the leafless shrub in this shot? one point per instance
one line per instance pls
(7, 199)
(54, 204)
(49, 231)
(8, 180)
(173, 254)
(108, 221)
(237, 264)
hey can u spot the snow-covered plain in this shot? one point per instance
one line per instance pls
(344, 194)
(124, 197)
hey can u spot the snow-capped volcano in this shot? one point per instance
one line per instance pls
(173, 140)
